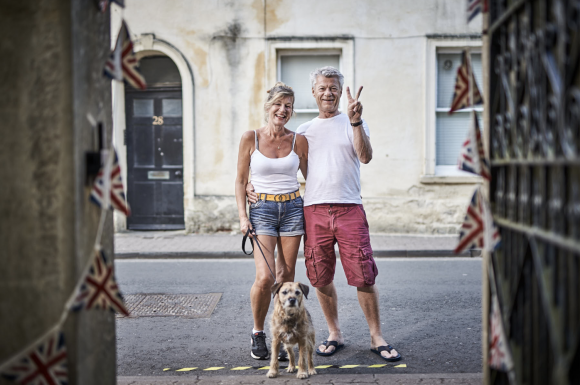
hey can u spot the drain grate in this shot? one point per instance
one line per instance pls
(171, 305)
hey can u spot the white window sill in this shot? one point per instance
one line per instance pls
(450, 175)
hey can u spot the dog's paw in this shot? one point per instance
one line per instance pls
(311, 372)
(272, 374)
(302, 375)
(290, 369)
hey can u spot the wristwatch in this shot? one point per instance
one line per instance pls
(356, 124)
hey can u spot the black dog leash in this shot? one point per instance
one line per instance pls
(252, 237)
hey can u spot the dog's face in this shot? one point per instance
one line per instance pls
(290, 295)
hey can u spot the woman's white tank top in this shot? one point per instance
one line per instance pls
(274, 176)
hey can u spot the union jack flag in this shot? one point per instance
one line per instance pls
(478, 229)
(99, 289)
(115, 184)
(44, 364)
(474, 7)
(499, 353)
(472, 157)
(462, 94)
(122, 63)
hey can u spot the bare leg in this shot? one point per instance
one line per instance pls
(286, 261)
(368, 298)
(329, 303)
(261, 289)
(274, 365)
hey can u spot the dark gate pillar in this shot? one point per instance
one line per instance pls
(50, 78)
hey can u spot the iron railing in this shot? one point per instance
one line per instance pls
(534, 137)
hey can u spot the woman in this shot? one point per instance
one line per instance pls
(273, 154)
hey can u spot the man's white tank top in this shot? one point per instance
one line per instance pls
(274, 176)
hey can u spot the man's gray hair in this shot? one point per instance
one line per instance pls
(328, 72)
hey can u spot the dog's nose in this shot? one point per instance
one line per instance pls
(291, 301)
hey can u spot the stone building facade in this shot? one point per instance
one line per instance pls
(219, 57)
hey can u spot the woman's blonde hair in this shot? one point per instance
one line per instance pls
(279, 91)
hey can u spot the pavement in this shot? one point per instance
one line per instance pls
(430, 311)
(288, 379)
(178, 244)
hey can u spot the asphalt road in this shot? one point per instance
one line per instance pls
(430, 309)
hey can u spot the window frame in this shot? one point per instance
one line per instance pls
(343, 47)
(433, 173)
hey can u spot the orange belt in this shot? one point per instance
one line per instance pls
(279, 197)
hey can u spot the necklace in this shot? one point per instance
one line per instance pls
(280, 143)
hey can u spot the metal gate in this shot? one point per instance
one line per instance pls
(534, 136)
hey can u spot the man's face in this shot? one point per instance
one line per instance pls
(327, 93)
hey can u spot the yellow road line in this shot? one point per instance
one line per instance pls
(166, 369)
(215, 368)
(322, 366)
(264, 368)
(377, 366)
(185, 369)
(241, 368)
(401, 366)
(348, 366)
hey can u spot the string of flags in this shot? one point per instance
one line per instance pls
(45, 360)
(478, 229)
(466, 93)
(122, 63)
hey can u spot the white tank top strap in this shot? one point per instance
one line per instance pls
(293, 141)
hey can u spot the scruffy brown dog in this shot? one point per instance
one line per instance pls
(291, 324)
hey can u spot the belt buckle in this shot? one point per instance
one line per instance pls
(280, 197)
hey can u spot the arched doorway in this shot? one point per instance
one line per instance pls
(154, 139)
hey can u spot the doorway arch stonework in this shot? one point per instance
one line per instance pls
(148, 45)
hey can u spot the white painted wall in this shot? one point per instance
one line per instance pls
(230, 47)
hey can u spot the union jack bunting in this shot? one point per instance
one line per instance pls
(45, 364)
(117, 196)
(99, 289)
(499, 353)
(478, 229)
(474, 7)
(122, 63)
(462, 94)
(472, 157)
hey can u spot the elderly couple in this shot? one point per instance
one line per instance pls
(328, 150)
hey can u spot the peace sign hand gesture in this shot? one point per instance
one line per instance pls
(355, 107)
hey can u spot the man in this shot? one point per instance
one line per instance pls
(333, 211)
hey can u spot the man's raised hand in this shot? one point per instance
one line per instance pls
(355, 107)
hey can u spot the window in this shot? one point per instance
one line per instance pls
(451, 130)
(294, 69)
(446, 133)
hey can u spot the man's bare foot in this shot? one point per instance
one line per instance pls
(332, 337)
(380, 341)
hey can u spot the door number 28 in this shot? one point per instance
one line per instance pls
(157, 120)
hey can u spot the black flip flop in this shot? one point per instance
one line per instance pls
(388, 348)
(337, 347)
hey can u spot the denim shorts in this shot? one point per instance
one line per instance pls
(284, 219)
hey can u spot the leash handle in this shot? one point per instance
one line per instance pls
(252, 237)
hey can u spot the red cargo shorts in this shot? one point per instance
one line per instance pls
(327, 224)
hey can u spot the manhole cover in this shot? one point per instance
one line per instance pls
(171, 305)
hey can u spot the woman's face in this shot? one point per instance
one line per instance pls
(281, 111)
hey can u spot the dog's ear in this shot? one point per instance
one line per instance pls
(275, 288)
(305, 289)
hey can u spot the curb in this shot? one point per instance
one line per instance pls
(240, 255)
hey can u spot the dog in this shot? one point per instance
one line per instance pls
(291, 324)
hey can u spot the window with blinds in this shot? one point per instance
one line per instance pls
(294, 70)
(451, 130)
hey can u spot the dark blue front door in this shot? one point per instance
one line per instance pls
(154, 140)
